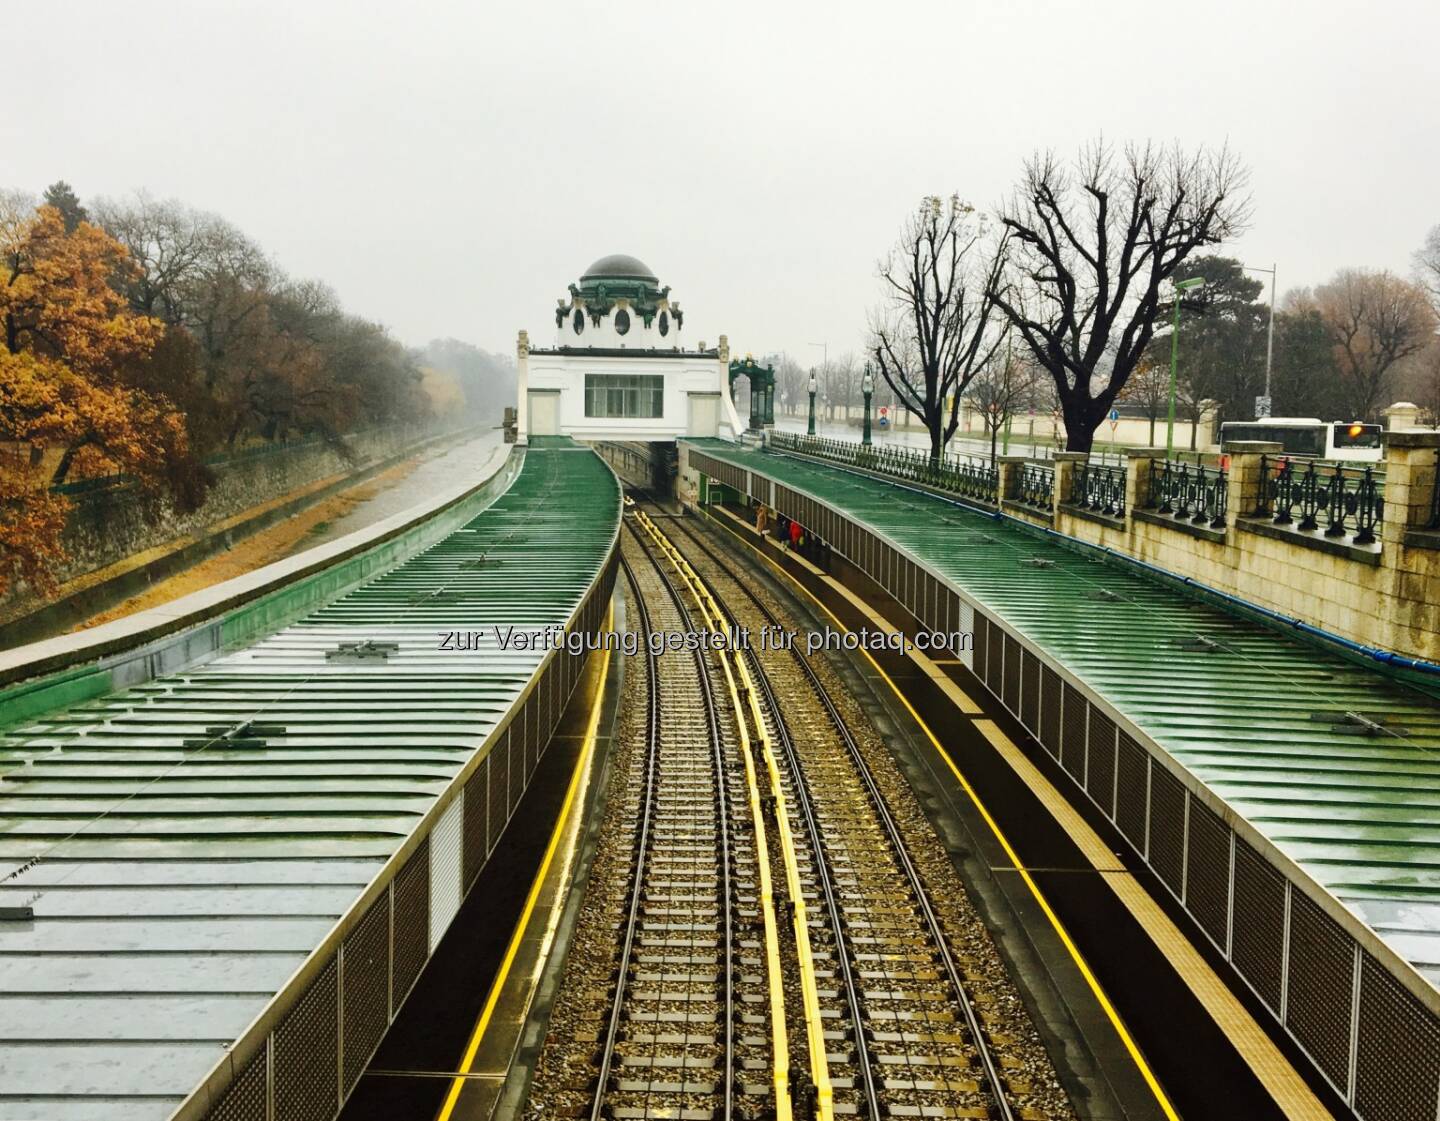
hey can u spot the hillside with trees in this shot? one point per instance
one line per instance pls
(142, 336)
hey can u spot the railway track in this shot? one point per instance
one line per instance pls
(777, 953)
(668, 1045)
(672, 993)
(922, 1047)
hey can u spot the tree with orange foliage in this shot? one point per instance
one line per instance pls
(68, 339)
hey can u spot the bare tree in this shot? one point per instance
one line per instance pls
(1420, 382)
(1089, 248)
(1375, 320)
(841, 381)
(1427, 264)
(168, 241)
(938, 326)
(1006, 384)
(791, 380)
(1148, 389)
(17, 210)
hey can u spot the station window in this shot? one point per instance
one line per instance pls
(624, 395)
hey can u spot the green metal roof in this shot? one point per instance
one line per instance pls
(1258, 718)
(179, 877)
(619, 266)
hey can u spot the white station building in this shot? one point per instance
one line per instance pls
(619, 368)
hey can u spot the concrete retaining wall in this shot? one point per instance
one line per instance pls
(109, 524)
(1385, 595)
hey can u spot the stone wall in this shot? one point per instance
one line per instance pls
(109, 524)
(1383, 594)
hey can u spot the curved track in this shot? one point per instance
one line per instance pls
(846, 814)
(777, 951)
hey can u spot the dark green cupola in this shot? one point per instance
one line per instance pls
(622, 289)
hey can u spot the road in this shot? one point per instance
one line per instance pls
(437, 469)
(917, 437)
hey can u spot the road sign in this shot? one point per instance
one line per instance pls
(1114, 420)
(1262, 408)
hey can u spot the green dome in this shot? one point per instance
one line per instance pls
(619, 266)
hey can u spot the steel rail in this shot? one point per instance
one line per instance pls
(828, 886)
(611, 1037)
(742, 696)
(829, 890)
(987, 1058)
(632, 918)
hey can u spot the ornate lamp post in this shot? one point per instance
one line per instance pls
(814, 385)
(867, 386)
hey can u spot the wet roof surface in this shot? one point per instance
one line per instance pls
(1258, 717)
(186, 869)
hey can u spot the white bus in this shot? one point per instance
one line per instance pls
(1307, 437)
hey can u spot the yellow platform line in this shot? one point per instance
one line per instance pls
(809, 986)
(1254, 1045)
(587, 748)
(779, 1037)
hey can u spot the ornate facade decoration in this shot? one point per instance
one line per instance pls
(623, 286)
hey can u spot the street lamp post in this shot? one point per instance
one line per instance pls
(1184, 286)
(824, 360)
(867, 387)
(1269, 341)
(814, 385)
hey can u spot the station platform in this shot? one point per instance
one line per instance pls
(220, 879)
(1284, 795)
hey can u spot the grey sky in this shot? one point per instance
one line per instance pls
(449, 168)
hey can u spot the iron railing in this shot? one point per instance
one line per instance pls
(961, 475)
(1035, 486)
(1345, 499)
(1098, 488)
(1189, 491)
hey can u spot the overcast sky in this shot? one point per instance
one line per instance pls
(448, 168)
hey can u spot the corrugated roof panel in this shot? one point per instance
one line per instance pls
(198, 835)
(1259, 717)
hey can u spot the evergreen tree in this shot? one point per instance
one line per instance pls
(63, 198)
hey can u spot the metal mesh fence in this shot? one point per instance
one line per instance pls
(366, 989)
(1397, 1059)
(306, 1086)
(1258, 945)
(1050, 711)
(1132, 791)
(1030, 692)
(1072, 735)
(1320, 987)
(1207, 874)
(1167, 829)
(246, 1098)
(1100, 762)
